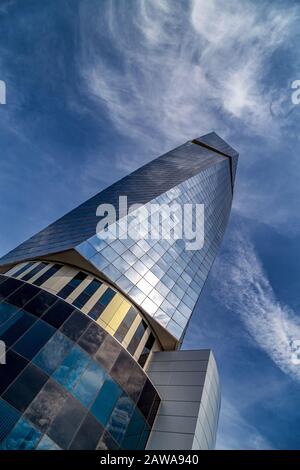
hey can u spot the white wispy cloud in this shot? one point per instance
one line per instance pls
(183, 65)
(235, 433)
(246, 291)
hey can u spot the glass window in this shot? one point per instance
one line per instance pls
(66, 423)
(7, 311)
(9, 286)
(108, 352)
(25, 387)
(136, 339)
(88, 434)
(23, 437)
(147, 348)
(84, 297)
(92, 339)
(22, 295)
(53, 353)
(75, 325)
(23, 269)
(39, 304)
(71, 286)
(46, 405)
(100, 305)
(34, 339)
(120, 418)
(107, 442)
(121, 371)
(9, 417)
(13, 367)
(134, 430)
(58, 313)
(147, 398)
(126, 324)
(105, 401)
(49, 273)
(15, 327)
(72, 367)
(34, 271)
(89, 384)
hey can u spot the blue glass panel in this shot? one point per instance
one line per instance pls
(9, 417)
(89, 384)
(23, 437)
(53, 353)
(120, 418)
(34, 339)
(72, 367)
(105, 401)
(7, 311)
(15, 327)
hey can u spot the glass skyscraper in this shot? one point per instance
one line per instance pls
(93, 327)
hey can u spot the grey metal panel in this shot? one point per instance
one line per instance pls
(170, 441)
(179, 408)
(185, 407)
(186, 366)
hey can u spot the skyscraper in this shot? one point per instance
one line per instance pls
(93, 326)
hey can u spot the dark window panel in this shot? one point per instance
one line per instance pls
(147, 398)
(75, 326)
(71, 286)
(15, 327)
(7, 311)
(35, 338)
(49, 273)
(9, 286)
(33, 271)
(121, 371)
(40, 304)
(88, 434)
(23, 269)
(23, 295)
(13, 367)
(134, 431)
(100, 305)
(126, 324)
(108, 352)
(66, 423)
(46, 405)
(21, 393)
(9, 417)
(92, 339)
(136, 382)
(58, 313)
(146, 351)
(84, 297)
(23, 437)
(136, 339)
(153, 411)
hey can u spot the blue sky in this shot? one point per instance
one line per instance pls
(97, 88)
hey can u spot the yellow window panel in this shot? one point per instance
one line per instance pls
(111, 308)
(119, 315)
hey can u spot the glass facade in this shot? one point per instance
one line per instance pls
(67, 384)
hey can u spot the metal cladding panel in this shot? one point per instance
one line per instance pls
(161, 276)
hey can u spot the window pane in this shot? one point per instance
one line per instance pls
(14, 365)
(40, 303)
(88, 435)
(71, 286)
(9, 286)
(92, 339)
(105, 401)
(33, 271)
(49, 273)
(89, 384)
(58, 313)
(25, 387)
(72, 368)
(23, 437)
(9, 417)
(53, 353)
(34, 339)
(75, 325)
(15, 327)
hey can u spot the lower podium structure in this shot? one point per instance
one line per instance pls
(188, 385)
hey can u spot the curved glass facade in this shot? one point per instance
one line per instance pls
(97, 299)
(67, 384)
